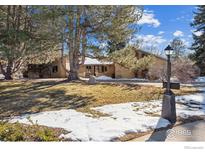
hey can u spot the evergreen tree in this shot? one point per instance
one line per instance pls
(128, 57)
(199, 38)
(93, 30)
(23, 38)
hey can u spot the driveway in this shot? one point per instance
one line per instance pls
(193, 131)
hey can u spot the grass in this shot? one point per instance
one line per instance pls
(20, 97)
(22, 132)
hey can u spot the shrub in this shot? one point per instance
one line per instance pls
(22, 132)
(184, 70)
(157, 71)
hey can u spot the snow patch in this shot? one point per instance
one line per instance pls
(103, 78)
(124, 118)
(200, 79)
(1, 76)
(191, 105)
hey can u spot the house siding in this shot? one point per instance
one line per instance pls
(97, 70)
(112, 70)
(122, 72)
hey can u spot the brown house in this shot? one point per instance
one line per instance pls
(57, 69)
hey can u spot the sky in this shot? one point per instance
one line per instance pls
(160, 24)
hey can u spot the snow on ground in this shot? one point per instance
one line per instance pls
(121, 79)
(124, 118)
(191, 105)
(1, 76)
(200, 79)
(84, 128)
(103, 78)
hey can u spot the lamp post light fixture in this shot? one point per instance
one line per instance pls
(168, 104)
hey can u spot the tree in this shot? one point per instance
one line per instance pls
(199, 38)
(178, 46)
(184, 69)
(157, 71)
(23, 38)
(128, 57)
(87, 28)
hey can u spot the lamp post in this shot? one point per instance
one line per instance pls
(168, 104)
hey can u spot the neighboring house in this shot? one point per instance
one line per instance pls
(57, 69)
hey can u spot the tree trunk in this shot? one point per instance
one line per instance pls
(8, 76)
(73, 72)
(8, 72)
(74, 44)
(73, 75)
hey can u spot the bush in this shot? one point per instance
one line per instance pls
(184, 70)
(157, 71)
(22, 132)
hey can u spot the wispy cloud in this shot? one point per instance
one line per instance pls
(161, 32)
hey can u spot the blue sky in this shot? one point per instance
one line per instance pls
(160, 24)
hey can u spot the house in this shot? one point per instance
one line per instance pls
(57, 69)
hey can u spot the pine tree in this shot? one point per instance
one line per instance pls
(88, 30)
(128, 58)
(199, 38)
(23, 38)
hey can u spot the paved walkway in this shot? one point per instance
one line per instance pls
(193, 131)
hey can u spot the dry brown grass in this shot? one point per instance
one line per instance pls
(17, 97)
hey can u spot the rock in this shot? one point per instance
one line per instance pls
(92, 80)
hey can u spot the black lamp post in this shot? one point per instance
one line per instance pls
(168, 104)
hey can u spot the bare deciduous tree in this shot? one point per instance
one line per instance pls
(184, 70)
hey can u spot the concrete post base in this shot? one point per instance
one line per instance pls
(169, 107)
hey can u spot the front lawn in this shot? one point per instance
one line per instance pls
(21, 97)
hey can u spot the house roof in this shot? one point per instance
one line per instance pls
(148, 53)
(92, 61)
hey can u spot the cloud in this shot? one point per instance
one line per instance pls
(178, 33)
(148, 42)
(151, 39)
(149, 18)
(160, 32)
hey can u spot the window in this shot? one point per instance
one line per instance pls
(88, 67)
(55, 69)
(104, 68)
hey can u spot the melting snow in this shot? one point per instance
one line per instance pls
(124, 118)
(200, 79)
(103, 78)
